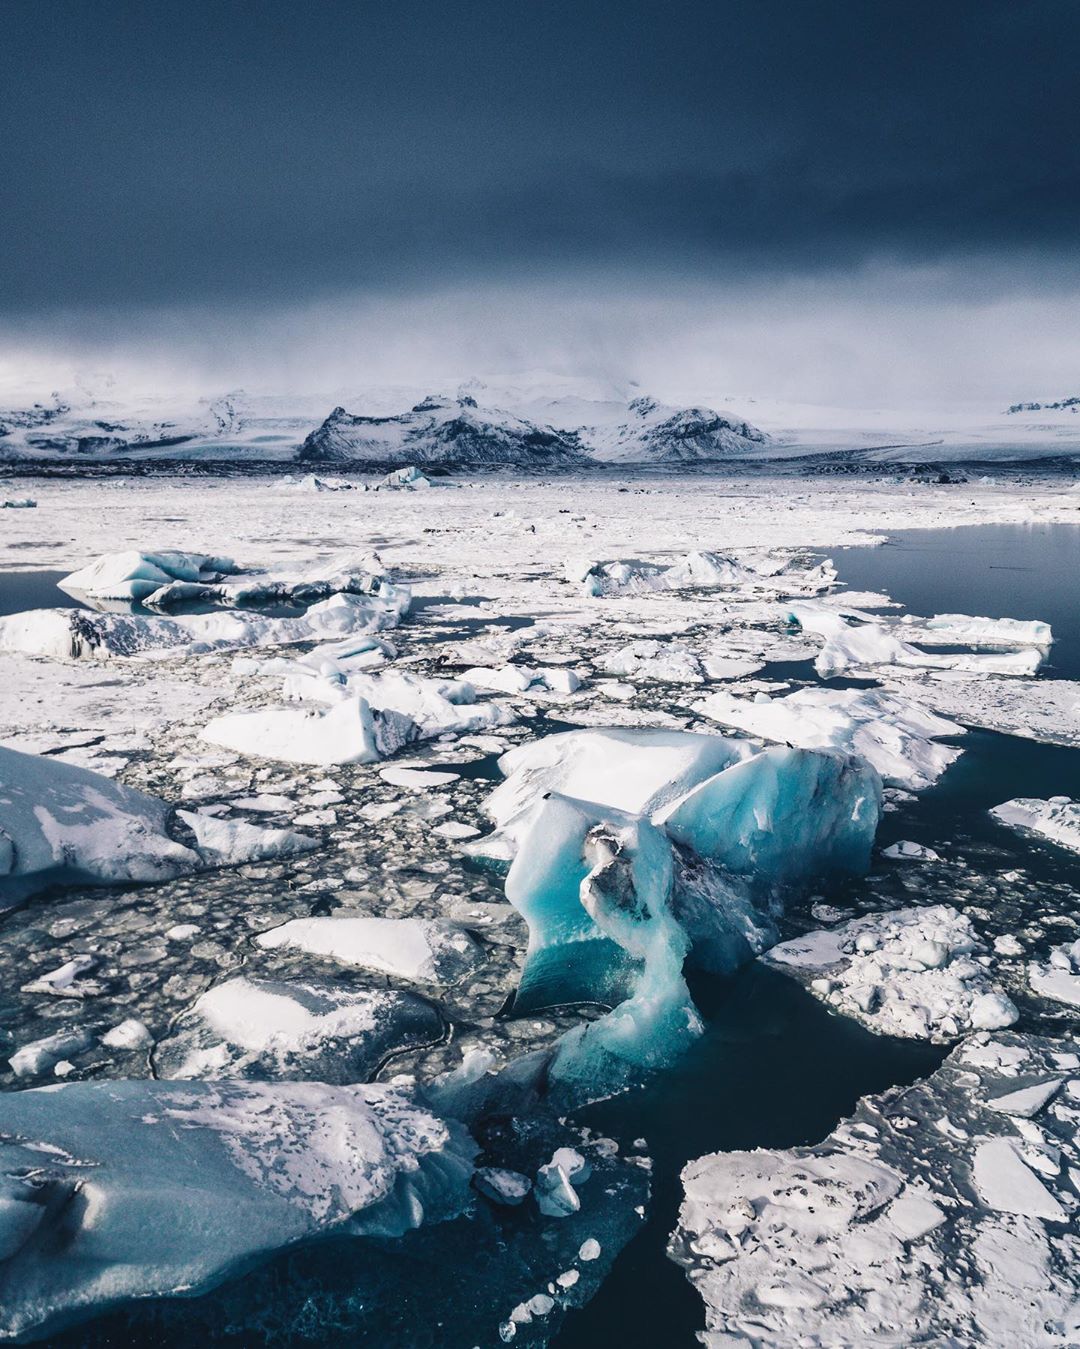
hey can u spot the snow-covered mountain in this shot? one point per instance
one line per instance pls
(452, 430)
(652, 432)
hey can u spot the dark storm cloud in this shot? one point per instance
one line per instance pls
(217, 151)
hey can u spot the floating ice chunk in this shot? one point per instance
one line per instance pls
(503, 1187)
(667, 662)
(907, 973)
(18, 504)
(60, 824)
(231, 842)
(345, 734)
(1028, 1101)
(854, 640)
(417, 779)
(1057, 819)
(890, 731)
(965, 630)
(266, 1028)
(1036, 709)
(630, 770)
(1059, 977)
(41, 1055)
(784, 815)
(876, 1229)
(906, 851)
(695, 571)
(119, 1190)
(523, 678)
(129, 1034)
(133, 575)
(555, 1196)
(419, 949)
(68, 981)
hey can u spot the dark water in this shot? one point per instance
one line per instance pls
(22, 590)
(993, 571)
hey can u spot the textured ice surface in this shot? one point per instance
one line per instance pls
(310, 1029)
(231, 842)
(942, 1213)
(891, 731)
(1058, 978)
(412, 948)
(118, 1190)
(910, 973)
(1057, 819)
(344, 734)
(60, 824)
(964, 629)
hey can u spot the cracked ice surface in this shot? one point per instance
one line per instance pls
(938, 1213)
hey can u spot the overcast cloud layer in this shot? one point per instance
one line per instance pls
(750, 186)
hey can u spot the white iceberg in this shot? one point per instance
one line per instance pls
(232, 842)
(134, 575)
(1058, 978)
(966, 630)
(111, 1191)
(667, 662)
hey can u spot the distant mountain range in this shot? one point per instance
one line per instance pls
(1062, 405)
(468, 428)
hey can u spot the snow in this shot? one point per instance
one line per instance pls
(907, 973)
(1058, 978)
(63, 824)
(1057, 819)
(894, 1230)
(891, 731)
(182, 1185)
(416, 949)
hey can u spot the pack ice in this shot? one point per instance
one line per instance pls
(117, 1190)
(941, 1213)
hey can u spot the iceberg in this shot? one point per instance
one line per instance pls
(306, 1030)
(1058, 978)
(1057, 820)
(345, 734)
(111, 1191)
(597, 882)
(423, 950)
(940, 1213)
(64, 825)
(629, 770)
(909, 973)
(783, 815)
(72, 634)
(965, 630)
(888, 730)
(668, 662)
(133, 575)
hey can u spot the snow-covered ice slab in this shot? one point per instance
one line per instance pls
(908, 973)
(942, 1213)
(345, 734)
(60, 824)
(308, 1030)
(72, 634)
(1058, 978)
(890, 731)
(666, 662)
(111, 1191)
(232, 842)
(855, 641)
(1057, 819)
(1036, 709)
(419, 949)
(967, 630)
(701, 570)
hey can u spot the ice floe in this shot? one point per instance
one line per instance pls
(303, 1029)
(60, 824)
(939, 1213)
(136, 1189)
(1058, 977)
(1056, 820)
(231, 842)
(912, 973)
(417, 949)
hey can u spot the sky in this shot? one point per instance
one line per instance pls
(852, 202)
